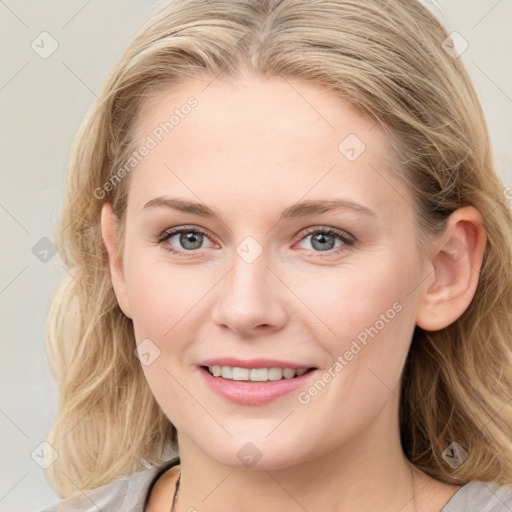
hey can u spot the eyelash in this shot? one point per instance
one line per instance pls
(348, 240)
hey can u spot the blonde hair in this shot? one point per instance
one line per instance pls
(386, 58)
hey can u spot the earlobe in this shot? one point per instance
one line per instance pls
(456, 261)
(109, 226)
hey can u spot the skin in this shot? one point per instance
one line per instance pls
(250, 149)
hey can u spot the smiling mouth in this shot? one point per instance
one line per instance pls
(255, 374)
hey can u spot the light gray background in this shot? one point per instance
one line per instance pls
(42, 103)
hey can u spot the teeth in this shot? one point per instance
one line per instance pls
(288, 373)
(226, 372)
(258, 374)
(255, 374)
(275, 374)
(240, 373)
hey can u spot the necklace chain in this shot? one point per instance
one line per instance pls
(177, 491)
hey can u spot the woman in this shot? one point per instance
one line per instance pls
(288, 255)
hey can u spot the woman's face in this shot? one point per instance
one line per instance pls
(249, 284)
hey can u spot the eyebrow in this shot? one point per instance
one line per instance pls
(297, 210)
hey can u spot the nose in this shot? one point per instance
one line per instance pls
(250, 299)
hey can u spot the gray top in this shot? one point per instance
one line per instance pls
(129, 495)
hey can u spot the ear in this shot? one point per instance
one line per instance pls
(456, 260)
(109, 226)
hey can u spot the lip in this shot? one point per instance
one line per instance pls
(253, 363)
(254, 393)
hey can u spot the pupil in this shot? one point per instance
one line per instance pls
(189, 237)
(321, 238)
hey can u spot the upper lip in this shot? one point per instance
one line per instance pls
(253, 363)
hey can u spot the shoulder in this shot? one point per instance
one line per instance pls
(479, 496)
(127, 494)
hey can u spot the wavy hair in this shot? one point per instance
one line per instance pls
(386, 58)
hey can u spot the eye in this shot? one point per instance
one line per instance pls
(323, 240)
(190, 238)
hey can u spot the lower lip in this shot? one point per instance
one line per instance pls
(253, 393)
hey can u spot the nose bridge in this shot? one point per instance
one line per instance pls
(248, 278)
(250, 295)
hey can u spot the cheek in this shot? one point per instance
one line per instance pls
(337, 304)
(367, 316)
(373, 319)
(163, 301)
(351, 299)
(161, 295)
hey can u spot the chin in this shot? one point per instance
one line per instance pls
(257, 453)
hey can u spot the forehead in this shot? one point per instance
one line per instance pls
(267, 139)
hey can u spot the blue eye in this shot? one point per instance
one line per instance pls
(324, 239)
(191, 239)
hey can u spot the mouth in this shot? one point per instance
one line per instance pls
(271, 374)
(251, 386)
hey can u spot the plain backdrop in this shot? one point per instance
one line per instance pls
(43, 99)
